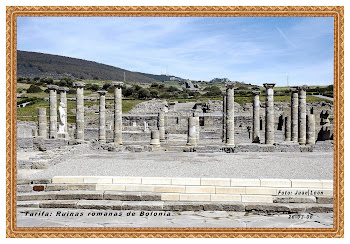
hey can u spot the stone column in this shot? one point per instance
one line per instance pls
(102, 117)
(256, 117)
(161, 126)
(230, 115)
(118, 119)
(53, 111)
(269, 114)
(302, 115)
(63, 99)
(287, 125)
(224, 117)
(155, 141)
(191, 132)
(294, 113)
(310, 129)
(80, 110)
(42, 122)
(196, 116)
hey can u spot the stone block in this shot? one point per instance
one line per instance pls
(147, 206)
(260, 191)
(36, 196)
(306, 183)
(194, 197)
(145, 196)
(24, 143)
(170, 197)
(267, 208)
(319, 208)
(215, 182)
(245, 182)
(56, 187)
(126, 180)
(42, 164)
(266, 148)
(98, 179)
(86, 195)
(183, 206)
(275, 182)
(28, 204)
(306, 148)
(58, 204)
(225, 198)
(122, 196)
(110, 187)
(101, 204)
(224, 206)
(230, 190)
(257, 198)
(156, 181)
(294, 199)
(24, 188)
(247, 147)
(81, 187)
(140, 188)
(200, 189)
(186, 181)
(170, 189)
(67, 179)
(324, 200)
(327, 184)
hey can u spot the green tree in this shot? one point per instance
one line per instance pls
(34, 89)
(143, 93)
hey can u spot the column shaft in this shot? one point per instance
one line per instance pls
(294, 114)
(118, 119)
(302, 116)
(269, 114)
(155, 141)
(256, 117)
(230, 115)
(80, 124)
(161, 126)
(310, 132)
(191, 133)
(42, 122)
(287, 125)
(53, 111)
(102, 117)
(224, 118)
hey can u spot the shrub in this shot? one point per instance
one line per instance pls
(34, 89)
(143, 93)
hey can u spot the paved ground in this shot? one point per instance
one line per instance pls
(218, 219)
(221, 165)
(324, 97)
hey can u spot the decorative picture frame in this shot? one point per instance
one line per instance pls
(12, 12)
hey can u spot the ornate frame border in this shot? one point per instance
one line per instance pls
(12, 12)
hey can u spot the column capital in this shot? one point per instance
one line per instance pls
(230, 85)
(52, 87)
(63, 89)
(118, 84)
(102, 93)
(303, 88)
(269, 85)
(255, 92)
(79, 84)
(294, 89)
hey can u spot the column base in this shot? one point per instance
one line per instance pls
(63, 135)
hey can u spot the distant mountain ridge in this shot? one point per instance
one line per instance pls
(33, 64)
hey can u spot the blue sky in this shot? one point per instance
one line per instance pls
(253, 50)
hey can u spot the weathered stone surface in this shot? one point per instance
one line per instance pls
(36, 196)
(266, 148)
(183, 206)
(294, 199)
(42, 164)
(39, 144)
(324, 200)
(145, 196)
(58, 204)
(24, 143)
(319, 208)
(24, 188)
(267, 207)
(87, 195)
(149, 205)
(104, 204)
(56, 187)
(224, 206)
(81, 187)
(122, 196)
(28, 204)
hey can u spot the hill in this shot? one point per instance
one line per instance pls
(33, 64)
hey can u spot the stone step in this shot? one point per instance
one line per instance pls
(89, 195)
(179, 206)
(157, 196)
